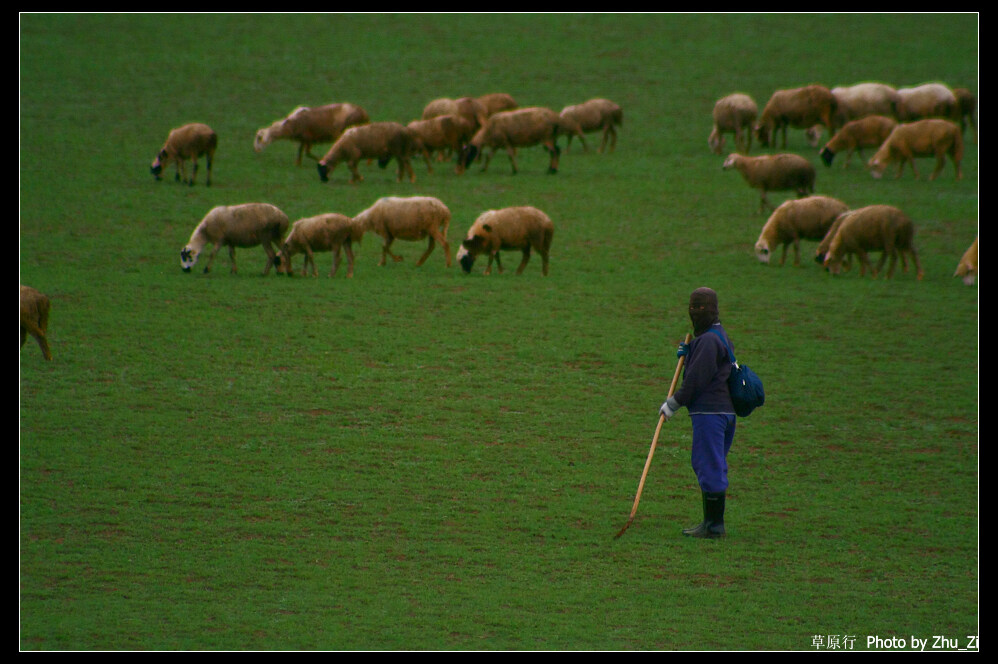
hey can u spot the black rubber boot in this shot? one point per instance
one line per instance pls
(712, 525)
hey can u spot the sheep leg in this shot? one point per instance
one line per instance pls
(523, 262)
(405, 166)
(336, 261)
(309, 257)
(554, 151)
(436, 236)
(512, 158)
(349, 252)
(268, 248)
(429, 249)
(940, 164)
(211, 258)
(301, 151)
(208, 159)
(544, 261)
(386, 250)
(37, 331)
(355, 175)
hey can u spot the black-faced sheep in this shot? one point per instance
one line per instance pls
(191, 141)
(931, 100)
(966, 104)
(595, 115)
(868, 132)
(522, 228)
(311, 125)
(966, 269)
(923, 138)
(443, 135)
(734, 114)
(882, 228)
(329, 232)
(407, 218)
(800, 108)
(795, 220)
(35, 308)
(774, 172)
(245, 225)
(383, 141)
(525, 127)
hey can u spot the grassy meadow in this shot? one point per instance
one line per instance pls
(420, 459)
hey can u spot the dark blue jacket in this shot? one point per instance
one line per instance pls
(705, 376)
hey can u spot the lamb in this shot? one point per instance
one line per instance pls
(922, 138)
(868, 132)
(523, 127)
(966, 269)
(966, 104)
(311, 125)
(497, 101)
(245, 225)
(525, 228)
(325, 232)
(191, 141)
(383, 141)
(800, 108)
(412, 218)
(35, 308)
(804, 218)
(882, 228)
(444, 134)
(592, 116)
(774, 172)
(734, 114)
(931, 100)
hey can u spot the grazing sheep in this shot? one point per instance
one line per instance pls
(246, 225)
(795, 220)
(800, 108)
(525, 228)
(966, 104)
(882, 228)
(383, 141)
(922, 138)
(412, 218)
(864, 99)
(311, 125)
(966, 269)
(868, 132)
(822, 251)
(592, 116)
(325, 232)
(733, 114)
(932, 100)
(35, 307)
(497, 101)
(469, 107)
(443, 134)
(774, 172)
(191, 141)
(521, 128)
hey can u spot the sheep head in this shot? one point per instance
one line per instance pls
(877, 167)
(762, 251)
(470, 248)
(827, 156)
(157, 165)
(188, 257)
(262, 139)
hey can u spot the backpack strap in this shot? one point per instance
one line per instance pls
(731, 355)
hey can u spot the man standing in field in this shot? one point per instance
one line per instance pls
(704, 393)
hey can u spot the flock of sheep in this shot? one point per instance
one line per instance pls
(899, 124)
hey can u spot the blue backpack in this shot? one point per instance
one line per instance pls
(743, 383)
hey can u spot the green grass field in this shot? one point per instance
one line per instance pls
(419, 459)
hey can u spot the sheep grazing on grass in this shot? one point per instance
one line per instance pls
(931, 100)
(189, 142)
(868, 132)
(383, 141)
(795, 220)
(734, 114)
(469, 107)
(35, 308)
(966, 104)
(799, 108)
(497, 101)
(443, 135)
(595, 115)
(413, 218)
(774, 172)
(311, 125)
(923, 138)
(822, 251)
(246, 225)
(966, 269)
(525, 127)
(322, 233)
(882, 228)
(522, 228)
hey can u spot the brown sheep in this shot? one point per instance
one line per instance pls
(35, 308)
(523, 127)
(868, 132)
(966, 269)
(795, 220)
(966, 104)
(443, 135)
(882, 228)
(191, 141)
(469, 107)
(325, 232)
(734, 114)
(774, 172)
(311, 125)
(592, 116)
(383, 141)
(525, 228)
(497, 101)
(922, 138)
(412, 218)
(246, 225)
(800, 108)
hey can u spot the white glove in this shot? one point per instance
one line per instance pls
(666, 410)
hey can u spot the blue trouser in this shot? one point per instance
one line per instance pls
(712, 437)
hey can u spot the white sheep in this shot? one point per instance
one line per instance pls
(733, 114)
(774, 172)
(868, 132)
(35, 307)
(325, 232)
(245, 225)
(443, 135)
(524, 228)
(800, 108)
(922, 138)
(931, 100)
(795, 220)
(383, 141)
(595, 115)
(189, 142)
(882, 228)
(524, 127)
(966, 104)
(309, 125)
(407, 218)
(966, 269)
